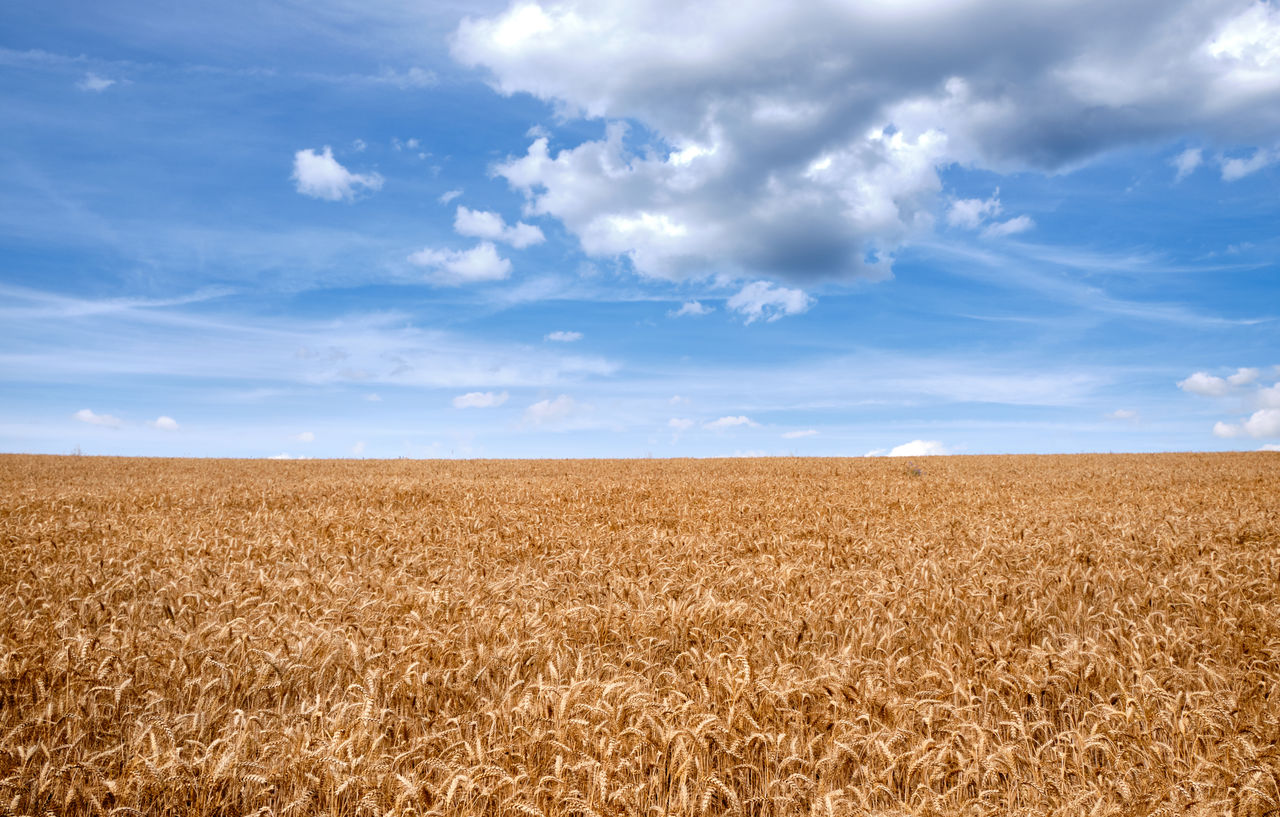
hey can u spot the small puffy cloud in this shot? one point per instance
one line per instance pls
(563, 337)
(762, 299)
(93, 82)
(480, 399)
(1013, 226)
(919, 448)
(691, 309)
(490, 225)
(680, 423)
(729, 422)
(358, 448)
(796, 435)
(677, 400)
(1204, 384)
(359, 145)
(454, 267)
(93, 419)
(552, 412)
(449, 195)
(1269, 397)
(1270, 447)
(1123, 414)
(373, 397)
(284, 455)
(1235, 169)
(1186, 162)
(1243, 376)
(320, 176)
(164, 423)
(1262, 423)
(304, 437)
(971, 213)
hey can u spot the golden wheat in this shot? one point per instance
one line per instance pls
(997, 635)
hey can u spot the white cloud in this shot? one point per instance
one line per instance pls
(480, 399)
(729, 422)
(320, 176)
(971, 213)
(449, 195)
(563, 337)
(677, 400)
(680, 423)
(455, 267)
(359, 145)
(1270, 447)
(1013, 226)
(164, 423)
(1235, 169)
(93, 82)
(286, 456)
(1123, 414)
(358, 448)
(691, 309)
(1269, 397)
(1186, 162)
(106, 420)
(1262, 423)
(1204, 384)
(1244, 376)
(919, 448)
(490, 225)
(767, 156)
(795, 435)
(304, 437)
(553, 412)
(373, 397)
(762, 299)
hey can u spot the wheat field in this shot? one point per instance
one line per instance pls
(1058, 635)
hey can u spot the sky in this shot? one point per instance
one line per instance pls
(612, 229)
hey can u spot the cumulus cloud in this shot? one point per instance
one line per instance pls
(1204, 384)
(93, 419)
(563, 337)
(480, 399)
(762, 299)
(1186, 162)
(1270, 447)
(680, 423)
(455, 267)
(1262, 423)
(1013, 226)
(1123, 414)
(486, 224)
(164, 423)
(320, 176)
(833, 134)
(93, 82)
(971, 213)
(730, 422)
(795, 435)
(691, 309)
(553, 412)
(919, 448)
(1234, 169)
(1269, 397)
(449, 195)
(1244, 376)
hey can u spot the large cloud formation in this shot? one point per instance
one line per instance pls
(804, 140)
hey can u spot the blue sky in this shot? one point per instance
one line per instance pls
(386, 229)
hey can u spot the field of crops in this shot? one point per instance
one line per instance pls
(968, 635)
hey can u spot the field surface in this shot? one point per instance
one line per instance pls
(971, 635)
